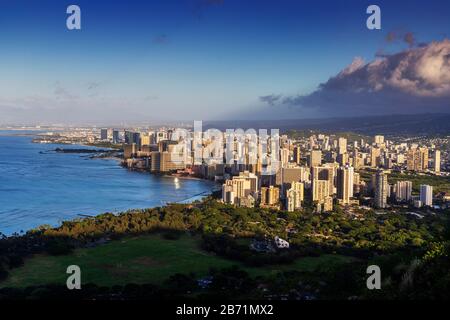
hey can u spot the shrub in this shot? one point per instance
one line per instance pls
(58, 247)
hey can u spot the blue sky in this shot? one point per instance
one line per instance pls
(193, 59)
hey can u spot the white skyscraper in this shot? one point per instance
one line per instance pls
(403, 190)
(426, 195)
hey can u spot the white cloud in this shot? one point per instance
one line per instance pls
(404, 82)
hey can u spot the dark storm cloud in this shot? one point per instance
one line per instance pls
(417, 79)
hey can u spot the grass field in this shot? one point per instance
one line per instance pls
(143, 259)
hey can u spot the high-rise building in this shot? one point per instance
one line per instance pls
(413, 159)
(235, 192)
(426, 195)
(284, 156)
(375, 157)
(417, 159)
(155, 163)
(137, 138)
(325, 204)
(387, 162)
(315, 158)
(437, 161)
(358, 160)
(356, 183)
(129, 150)
(241, 190)
(320, 190)
(116, 136)
(424, 157)
(145, 140)
(342, 145)
(403, 190)
(103, 134)
(128, 137)
(161, 135)
(345, 184)
(228, 192)
(294, 196)
(381, 189)
(252, 178)
(343, 159)
(297, 155)
(270, 196)
(166, 161)
(287, 175)
(133, 137)
(312, 142)
(379, 140)
(328, 173)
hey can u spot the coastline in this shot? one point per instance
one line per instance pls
(121, 160)
(133, 193)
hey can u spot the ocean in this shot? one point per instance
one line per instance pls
(41, 187)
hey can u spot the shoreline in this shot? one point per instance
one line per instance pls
(121, 160)
(19, 230)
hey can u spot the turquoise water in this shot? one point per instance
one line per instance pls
(47, 188)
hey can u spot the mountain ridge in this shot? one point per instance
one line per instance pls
(396, 124)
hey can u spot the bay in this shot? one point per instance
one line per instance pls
(39, 186)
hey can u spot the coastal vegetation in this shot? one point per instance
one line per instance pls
(156, 247)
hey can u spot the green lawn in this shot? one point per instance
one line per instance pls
(143, 259)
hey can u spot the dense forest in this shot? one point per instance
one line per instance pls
(413, 253)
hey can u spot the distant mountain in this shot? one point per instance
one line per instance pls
(417, 124)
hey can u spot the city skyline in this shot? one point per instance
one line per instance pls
(256, 153)
(219, 59)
